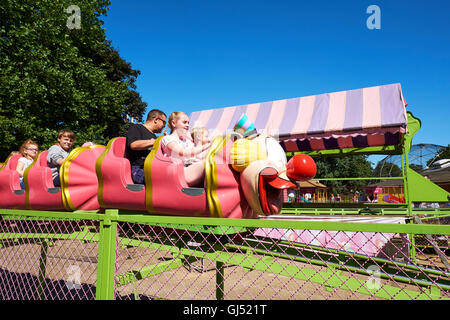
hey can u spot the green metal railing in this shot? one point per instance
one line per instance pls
(114, 231)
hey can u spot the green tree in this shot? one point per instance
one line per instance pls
(53, 76)
(344, 167)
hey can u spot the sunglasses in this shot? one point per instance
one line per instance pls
(32, 149)
(164, 121)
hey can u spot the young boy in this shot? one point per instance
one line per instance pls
(59, 152)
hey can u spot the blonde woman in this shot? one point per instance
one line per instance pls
(178, 144)
(29, 149)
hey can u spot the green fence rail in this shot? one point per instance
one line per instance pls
(125, 255)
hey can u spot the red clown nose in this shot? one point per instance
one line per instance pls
(301, 167)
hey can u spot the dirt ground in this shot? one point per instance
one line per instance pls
(71, 272)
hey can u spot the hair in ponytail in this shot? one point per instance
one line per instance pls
(173, 116)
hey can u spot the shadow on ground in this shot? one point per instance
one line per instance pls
(25, 286)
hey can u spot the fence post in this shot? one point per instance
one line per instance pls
(42, 269)
(220, 285)
(107, 256)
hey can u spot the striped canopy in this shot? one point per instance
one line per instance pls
(374, 116)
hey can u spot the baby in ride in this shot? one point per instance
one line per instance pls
(200, 136)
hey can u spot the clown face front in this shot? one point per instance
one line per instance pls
(265, 172)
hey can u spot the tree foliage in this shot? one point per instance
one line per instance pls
(344, 167)
(53, 77)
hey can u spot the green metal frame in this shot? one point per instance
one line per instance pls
(416, 187)
(107, 254)
(248, 257)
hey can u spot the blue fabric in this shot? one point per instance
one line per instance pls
(56, 181)
(137, 174)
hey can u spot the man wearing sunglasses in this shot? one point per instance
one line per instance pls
(140, 140)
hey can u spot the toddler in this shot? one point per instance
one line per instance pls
(200, 136)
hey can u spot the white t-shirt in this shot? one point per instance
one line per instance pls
(26, 162)
(183, 142)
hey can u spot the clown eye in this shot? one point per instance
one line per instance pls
(275, 153)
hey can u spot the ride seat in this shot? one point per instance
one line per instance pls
(116, 188)
(42, 194)
(12, 196)
(79, 178)
(169, 193)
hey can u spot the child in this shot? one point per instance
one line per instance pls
(29, 149)
(59, 152)
(200, 136)
(178, 144)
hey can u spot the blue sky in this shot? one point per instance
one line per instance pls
(197, 55)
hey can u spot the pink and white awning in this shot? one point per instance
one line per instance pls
(373, 116)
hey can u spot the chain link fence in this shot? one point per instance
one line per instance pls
(128, 256)
(47, 259)
(189, 262)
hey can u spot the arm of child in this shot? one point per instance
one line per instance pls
(202, 155)
(176, 149)
(55, 156)
(19, 168)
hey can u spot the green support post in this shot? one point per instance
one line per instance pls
(405, 164)
(107, 256)
(406, 188)
(414, 125)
